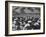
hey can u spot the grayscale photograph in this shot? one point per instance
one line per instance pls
(25, 18)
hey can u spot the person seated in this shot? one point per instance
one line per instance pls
(36, 25)
(26, 27)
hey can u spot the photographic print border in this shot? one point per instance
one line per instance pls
(6, 18)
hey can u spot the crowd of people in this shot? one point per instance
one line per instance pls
(21, 23)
